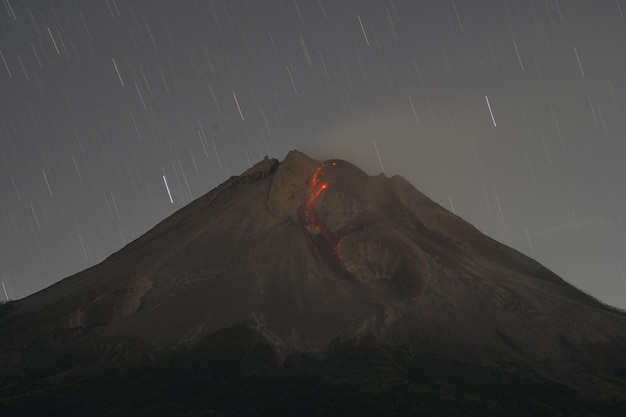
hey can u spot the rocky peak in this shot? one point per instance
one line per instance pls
(288, 191)
(260, 170)
(316, 250)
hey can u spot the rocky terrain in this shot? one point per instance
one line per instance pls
(303, 280)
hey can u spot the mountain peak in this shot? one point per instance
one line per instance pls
(315, 253)
(288, 190)
(262, 169)
(316, 250)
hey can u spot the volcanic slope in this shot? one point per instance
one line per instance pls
(316, 254)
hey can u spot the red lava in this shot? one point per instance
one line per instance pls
(320, 181)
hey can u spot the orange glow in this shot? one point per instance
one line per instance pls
(320, 182)
(317, 186)
(316, 192)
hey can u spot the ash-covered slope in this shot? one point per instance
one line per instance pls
(318, 252)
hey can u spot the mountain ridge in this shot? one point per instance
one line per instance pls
(285, 201)
(311, 255)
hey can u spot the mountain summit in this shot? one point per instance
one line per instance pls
(313, 255)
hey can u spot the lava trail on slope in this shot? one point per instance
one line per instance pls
(324, 242)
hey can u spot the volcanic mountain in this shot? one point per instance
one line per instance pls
(314, 269)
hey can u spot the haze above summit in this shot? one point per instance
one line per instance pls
(107, 107)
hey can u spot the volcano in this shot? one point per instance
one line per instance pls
(310, 288)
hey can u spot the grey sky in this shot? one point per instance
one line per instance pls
(103, 103)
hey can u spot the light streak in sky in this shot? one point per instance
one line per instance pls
(5, 64)
(532, 250)
(579, 64)
(46, 179)
(117, 71)
(490, 111)
(363, 29)
(519, 58)
(451, 205)
(237, 103)
(217, 155)
(293, 84)
(414, 112)
(54, 42)
(458, 18)
(15, 17)
(168, 189)
(380, 161)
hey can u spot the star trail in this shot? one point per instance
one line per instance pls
(114, 114)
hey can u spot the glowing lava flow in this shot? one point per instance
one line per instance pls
(313, 226)
(318, 185)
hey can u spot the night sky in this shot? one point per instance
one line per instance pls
(116, 113)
